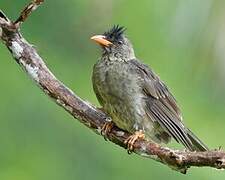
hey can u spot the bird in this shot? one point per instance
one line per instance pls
(135, 98)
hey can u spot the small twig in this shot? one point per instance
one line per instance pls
(4, 21)
(3, 16)
(27, 57)
(27, 11)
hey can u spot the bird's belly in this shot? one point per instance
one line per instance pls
(123, 99)
(128, 114)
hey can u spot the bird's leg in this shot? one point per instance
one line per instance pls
(132, 139)
(107, 127)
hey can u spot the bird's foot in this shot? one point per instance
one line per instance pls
(106, 129)
(132, 139)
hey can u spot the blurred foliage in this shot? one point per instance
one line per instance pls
(183, 41)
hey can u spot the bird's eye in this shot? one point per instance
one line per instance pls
(120, 42)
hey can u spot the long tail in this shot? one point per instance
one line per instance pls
(198, 145)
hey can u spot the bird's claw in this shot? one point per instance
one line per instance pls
(130, 141)
(106, 129)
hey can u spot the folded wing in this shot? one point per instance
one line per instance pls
(161, 107)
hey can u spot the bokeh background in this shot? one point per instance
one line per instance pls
(182, 40)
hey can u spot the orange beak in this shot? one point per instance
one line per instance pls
(100, 39)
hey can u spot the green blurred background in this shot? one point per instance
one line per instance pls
(182, 40)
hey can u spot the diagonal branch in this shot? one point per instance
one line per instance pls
(27, 57)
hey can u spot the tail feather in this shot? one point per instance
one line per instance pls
(198, 145)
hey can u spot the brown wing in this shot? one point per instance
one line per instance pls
(161, 105)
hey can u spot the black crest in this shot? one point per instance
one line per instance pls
(115, 34)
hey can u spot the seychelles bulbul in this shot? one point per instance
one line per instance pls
(135, 97)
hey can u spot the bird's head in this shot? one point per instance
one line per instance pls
(115, 44)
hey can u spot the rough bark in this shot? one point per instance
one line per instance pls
(27, 57)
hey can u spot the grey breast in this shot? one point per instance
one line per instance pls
(118, 90)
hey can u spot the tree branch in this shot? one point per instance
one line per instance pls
(27, 57)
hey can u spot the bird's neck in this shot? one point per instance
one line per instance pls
(116, 57)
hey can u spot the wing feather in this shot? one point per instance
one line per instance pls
(161, 105)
